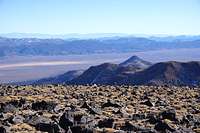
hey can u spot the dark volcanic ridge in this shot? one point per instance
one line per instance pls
(169, 73)
(136, 71)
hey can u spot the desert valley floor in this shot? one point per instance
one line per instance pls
(119, 109)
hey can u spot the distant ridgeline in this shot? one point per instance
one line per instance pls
(34, 46)
(133, 71)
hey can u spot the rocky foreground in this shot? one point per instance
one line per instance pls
(119, 109)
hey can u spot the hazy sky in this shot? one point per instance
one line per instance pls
(100, 16)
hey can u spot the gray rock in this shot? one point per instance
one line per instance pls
(18, 119)
(7, 108)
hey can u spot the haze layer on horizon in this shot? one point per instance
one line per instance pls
(171, 17)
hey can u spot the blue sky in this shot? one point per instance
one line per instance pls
(172, 17)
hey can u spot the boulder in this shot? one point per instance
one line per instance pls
(76, 129)
(87, 130)
(85, 105)
(138, 116)
(110, 104)
(169, 114)
(90, 109)
(7, 108)
(65, 122)
(9, 120)
(11, 106)
(162, 126)
(94, 111)
(43, 105)
(33, 120)
(148, 103)
(152, 119)
(1, 115)
(161, 103)
(18, 103)
(48, 127)
(106, 123)
(18, 119)
(78, 117)
(2, 129)
(184, 130)
(42, 123)
(134, 128)
(190, 120)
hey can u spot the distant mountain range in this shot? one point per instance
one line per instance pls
(181, 38)
(166, 38)
(48, 47)
(64, 36)
(134, 71)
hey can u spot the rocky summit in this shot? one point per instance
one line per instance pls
(99, 109)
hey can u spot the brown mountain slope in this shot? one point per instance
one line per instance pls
(168, 73)
(164, 73)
